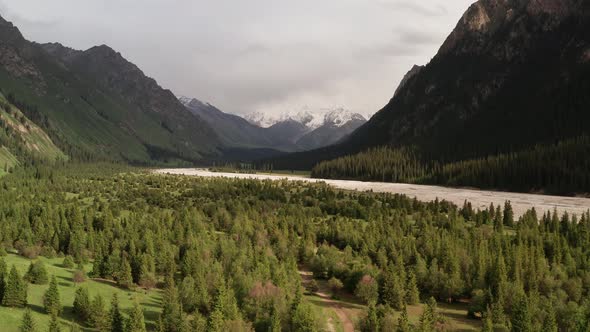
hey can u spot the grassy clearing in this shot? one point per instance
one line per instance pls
(10, 318)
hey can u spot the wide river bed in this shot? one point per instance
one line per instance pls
(478, 198)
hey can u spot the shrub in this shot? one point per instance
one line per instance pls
(79, 276)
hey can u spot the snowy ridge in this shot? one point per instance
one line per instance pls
(312, 119)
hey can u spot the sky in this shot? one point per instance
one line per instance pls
(243, 56)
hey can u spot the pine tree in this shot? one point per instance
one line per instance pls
(135, 323)
(393, 288)
(171, 312)
(275, 321)
(37, 274)
(371, 322)
(429, 316)
(550, 321)
(521, 319)
(82, 304)
(15, 293)
(116, 318)
(412, 292)
(403, 323)
(99, 317)
(508, 214)
(488, 324)
(28, 324)
(124, 277)
(54, 323)
(51, 301)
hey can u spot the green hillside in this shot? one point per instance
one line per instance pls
(11, 317)
(21, 140)
(96, 105)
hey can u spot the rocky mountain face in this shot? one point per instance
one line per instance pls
(96, 104)
(512, 74)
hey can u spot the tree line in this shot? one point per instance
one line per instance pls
(559, 168)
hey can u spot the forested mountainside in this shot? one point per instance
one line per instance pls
(95, 105)
(512, 76)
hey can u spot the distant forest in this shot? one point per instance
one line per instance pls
(560, 168)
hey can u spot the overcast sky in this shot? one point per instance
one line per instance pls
(255, 55)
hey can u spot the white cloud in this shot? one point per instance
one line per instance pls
(263, 55)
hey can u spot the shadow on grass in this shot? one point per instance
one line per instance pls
(325, 304)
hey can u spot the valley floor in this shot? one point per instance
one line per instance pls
(479, 198)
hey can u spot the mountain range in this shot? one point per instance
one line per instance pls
(288, 132)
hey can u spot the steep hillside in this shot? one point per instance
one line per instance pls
(23, 141)
(511, 76)
(97, 105)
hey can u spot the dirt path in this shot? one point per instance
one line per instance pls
(324, 296)
(479, 198)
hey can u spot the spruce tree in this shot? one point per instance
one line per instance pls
(135, 323)
(403, 323)
(393, 288)
(117, 320)
(508, 214)
(550, 321)
(37, 274)
(15, 293)
(51, 301)
(412, 292)
(520, 318)
(429, 316)
(171, 312)
(99, 317)
(82, 304)
(54, 323)
(28, 324)
(124, 276)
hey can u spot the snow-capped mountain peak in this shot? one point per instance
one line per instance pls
(312, 119)
(339, 117)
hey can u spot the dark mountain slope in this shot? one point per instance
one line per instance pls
(513, 74)
(97, 105)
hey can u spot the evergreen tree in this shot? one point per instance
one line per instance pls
(15, 293)
(393, 292)
(171, 313)
(521, 319)
(412, 292)
(124, 277)
(550, 321)
(403, 323)
(508, 214)
(99, 318)
(54, 323)
(28, 324)
(37, 274)
(51, 301)
(371, 322)
(429, 316)
(82, 307)
(117, 321)
(275, 321)
(304, 319)
(68, 262)
(135, 323)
